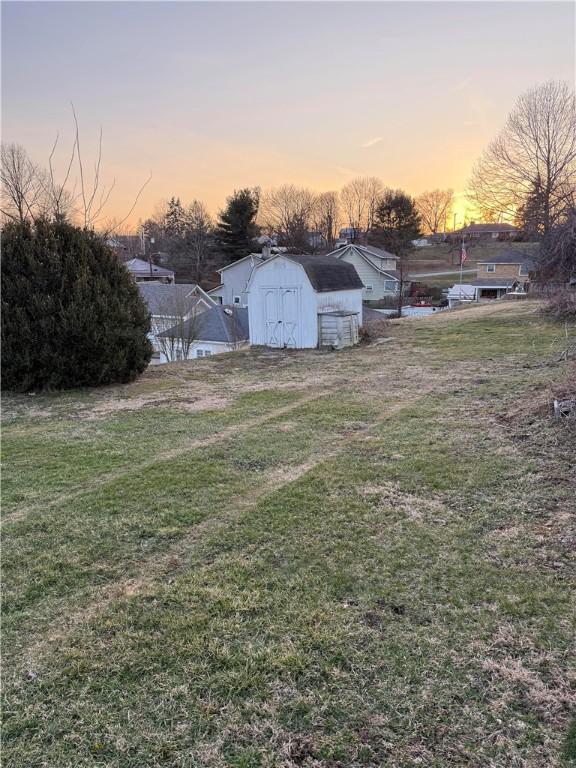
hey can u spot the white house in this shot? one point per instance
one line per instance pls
(376, 268)
(304, 301)
(170, 304)
(213, 331)
(234, 279)
(142, 271)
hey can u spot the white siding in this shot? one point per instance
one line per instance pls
(369, 275)
(350, 300)
(266, 290)
(234, 281)
(212, 347)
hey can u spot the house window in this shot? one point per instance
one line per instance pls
(207, 353)
(199, 353)
(490, 267)
(523, 269)
(369, 287)
(390, 285)
(236, 299)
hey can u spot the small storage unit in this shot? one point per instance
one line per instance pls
(337, 328)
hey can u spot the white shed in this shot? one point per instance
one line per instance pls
(288, 293)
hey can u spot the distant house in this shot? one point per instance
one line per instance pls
(304, 301)
(141, 272)
(506, 272)
(218, 329)
(485, 232)
(315, 240)
(349, 235)
(376, 268)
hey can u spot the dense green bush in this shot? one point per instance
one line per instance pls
(72, 315)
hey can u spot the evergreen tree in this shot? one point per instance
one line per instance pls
(237, 228)
(72, 314)
(174, 218)
(531, 215)
(397, 222)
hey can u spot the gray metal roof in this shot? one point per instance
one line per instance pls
(510, 256)
(170, 299)
(327, 273)
(215, 324)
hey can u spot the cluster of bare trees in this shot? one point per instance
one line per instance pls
(293, 213)
(30, 192)
(528, 172)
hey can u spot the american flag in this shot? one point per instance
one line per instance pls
(463, 255)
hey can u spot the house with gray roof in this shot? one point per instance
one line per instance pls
(171, 304)
(216, 330)
(375, 267)
(144, 271)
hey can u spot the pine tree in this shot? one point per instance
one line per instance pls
(397, 222)
(175, 218)
(237, 227)
(72, 314)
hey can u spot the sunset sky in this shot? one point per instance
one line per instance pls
(215, 96)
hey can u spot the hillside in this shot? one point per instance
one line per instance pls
(446, 256)
(297, 558)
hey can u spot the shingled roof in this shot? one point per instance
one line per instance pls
(326, 273)
(172, 299)
(220, 323)
(510, 256)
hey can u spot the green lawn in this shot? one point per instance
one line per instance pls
(298, 558)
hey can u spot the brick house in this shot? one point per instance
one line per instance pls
(474, 232)
(506, 272)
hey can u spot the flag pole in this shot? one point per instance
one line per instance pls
(461, 265)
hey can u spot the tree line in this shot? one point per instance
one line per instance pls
(527, 176)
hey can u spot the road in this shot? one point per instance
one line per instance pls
(418, 275)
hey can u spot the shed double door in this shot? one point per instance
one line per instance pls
(280, 316)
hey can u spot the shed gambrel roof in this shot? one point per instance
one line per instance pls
(220, 323)
(327, 273)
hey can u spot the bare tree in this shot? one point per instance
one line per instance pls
(198, 236)
(326, 217)
(21, 186)
(176, 325)
(435, 208)
(557, 254)
(287, 211)
(359, 200)
(532, 160)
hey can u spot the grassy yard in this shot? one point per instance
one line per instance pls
(281, 559)
(447, 256)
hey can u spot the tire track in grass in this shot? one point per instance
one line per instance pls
(159, 458)
(154, 570)
(174, 453)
